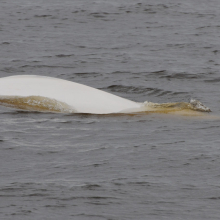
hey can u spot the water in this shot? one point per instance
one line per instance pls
(78, 166)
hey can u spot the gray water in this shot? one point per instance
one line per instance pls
(84, 167)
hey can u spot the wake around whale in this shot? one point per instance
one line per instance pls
(48, 94)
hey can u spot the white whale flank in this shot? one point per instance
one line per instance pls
(81, 98)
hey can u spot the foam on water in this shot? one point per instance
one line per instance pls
(193, 105)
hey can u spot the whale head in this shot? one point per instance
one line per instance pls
(197, 105)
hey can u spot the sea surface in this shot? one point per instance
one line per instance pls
(126, 167)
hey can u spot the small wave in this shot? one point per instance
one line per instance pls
(64, 55)
(6, 43)
(42, 16)
(128, 89)
(136, 90)
(215, 80)
(182, 76)
(98, 15)
(141, 90)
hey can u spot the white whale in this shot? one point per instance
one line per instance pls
(41, 93)
(76, 97)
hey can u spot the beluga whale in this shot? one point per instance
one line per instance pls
(48, 94)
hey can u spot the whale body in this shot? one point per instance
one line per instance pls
(75, 96)
(41, 93)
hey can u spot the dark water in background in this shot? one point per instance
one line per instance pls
(57, 166)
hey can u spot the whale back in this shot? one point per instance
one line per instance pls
(75, 96)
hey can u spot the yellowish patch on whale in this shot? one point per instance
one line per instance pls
(36, 103)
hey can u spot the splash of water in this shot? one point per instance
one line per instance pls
(36, 103)
(193, 105)
(44, 104)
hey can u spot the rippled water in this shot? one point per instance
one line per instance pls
(78, 166)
